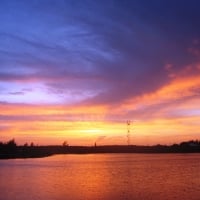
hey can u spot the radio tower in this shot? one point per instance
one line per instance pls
(128, 123)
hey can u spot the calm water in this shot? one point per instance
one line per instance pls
(103, 176)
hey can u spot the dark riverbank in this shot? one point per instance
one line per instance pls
(11, 150)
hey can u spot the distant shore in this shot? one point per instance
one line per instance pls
(11, 151)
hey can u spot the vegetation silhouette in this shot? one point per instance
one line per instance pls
(11, 150)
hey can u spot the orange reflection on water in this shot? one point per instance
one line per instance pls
(102, 176)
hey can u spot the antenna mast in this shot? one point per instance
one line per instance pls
(128, 123)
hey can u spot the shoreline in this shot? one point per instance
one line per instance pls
(45, 151)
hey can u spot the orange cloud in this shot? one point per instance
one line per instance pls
(177, 89)
(169, 114)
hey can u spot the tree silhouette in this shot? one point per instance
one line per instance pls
(65, 144)
(11, 144)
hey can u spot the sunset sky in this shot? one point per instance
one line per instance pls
(77, 70)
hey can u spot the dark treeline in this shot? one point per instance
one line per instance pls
(11, 150)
